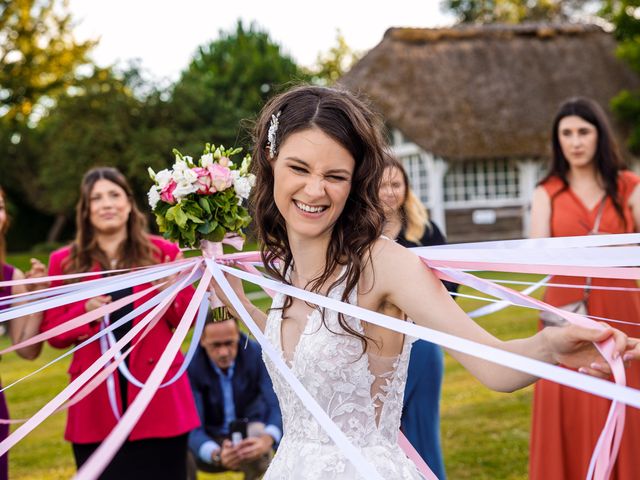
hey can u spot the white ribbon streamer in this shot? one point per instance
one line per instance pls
(353, 454)
(596, 386)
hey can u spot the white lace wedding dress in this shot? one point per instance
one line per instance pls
(362, 394)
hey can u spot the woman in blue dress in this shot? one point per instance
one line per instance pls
(407, 221)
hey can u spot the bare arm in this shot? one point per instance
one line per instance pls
(23, 328)
(257, 315)
(429, 305)
(540, 226)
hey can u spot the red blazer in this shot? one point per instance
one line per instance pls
(171, 412)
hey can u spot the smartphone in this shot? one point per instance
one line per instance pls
(238, 430)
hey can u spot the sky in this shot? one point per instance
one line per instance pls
(164, 34)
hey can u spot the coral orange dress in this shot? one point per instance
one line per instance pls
(567, 422)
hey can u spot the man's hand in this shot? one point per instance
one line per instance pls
(248, 450)
(229, 456)
(252, 448)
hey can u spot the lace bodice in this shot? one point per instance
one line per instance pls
(362, 394)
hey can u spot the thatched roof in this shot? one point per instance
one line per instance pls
(486, 91)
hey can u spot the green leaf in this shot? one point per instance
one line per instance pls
(204, 203)
(176, 214)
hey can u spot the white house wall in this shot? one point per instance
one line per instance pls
(491, 188)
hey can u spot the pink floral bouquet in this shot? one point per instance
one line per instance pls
(204, 200)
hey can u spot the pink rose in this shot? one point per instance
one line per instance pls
(224, 161)
(220, 177)
(204, 181)
(166, 194)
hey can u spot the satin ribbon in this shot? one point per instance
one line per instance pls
(88, 293)
(495, 355)
(94, 466)
(193, 345)
(603, 456)
(352, 453)
(606, 389)
(501, 305)
(85, 376)
(74, 276)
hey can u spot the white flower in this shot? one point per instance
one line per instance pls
(246, 162)
(154, 197)
(183, 174)
(206, 160)
(163, 177)
(242, 185)
(183, 189)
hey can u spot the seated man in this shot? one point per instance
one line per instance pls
(230, 383)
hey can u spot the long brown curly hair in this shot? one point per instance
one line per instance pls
(135, 251)
(352, 123)
(3, 235)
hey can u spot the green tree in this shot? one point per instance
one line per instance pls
(38, 55)
(624, 15)
(107, 119)
(517, 11)
(39, 58)
(331, 65)
(228, 81)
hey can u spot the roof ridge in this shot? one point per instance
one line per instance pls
(494, 30)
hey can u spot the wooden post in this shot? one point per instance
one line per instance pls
(436, 168)
(528, 180)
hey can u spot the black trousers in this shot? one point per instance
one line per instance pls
(153, 458)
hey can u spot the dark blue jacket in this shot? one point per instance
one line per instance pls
(252, 391)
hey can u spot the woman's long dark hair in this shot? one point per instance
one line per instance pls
(608, 160)
(351, 123)
(137, 249)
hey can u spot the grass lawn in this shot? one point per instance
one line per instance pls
(485, 434)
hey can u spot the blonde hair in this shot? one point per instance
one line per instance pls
(416, 217)
(414, 214)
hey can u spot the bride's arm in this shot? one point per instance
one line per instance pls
(257, 315)
(429, 305)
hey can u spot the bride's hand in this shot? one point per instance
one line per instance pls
(574, 347)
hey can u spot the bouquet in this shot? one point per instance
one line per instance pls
(203, 201)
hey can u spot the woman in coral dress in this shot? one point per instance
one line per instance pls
(587, 191)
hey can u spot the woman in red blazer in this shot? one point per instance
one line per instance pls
(111, 233)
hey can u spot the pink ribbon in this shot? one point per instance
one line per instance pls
(108, 448)
(415, 457)
(608, 445)
(81, 320)
(604, 454)
(85, 376)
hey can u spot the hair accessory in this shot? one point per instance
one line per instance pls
(271, 134)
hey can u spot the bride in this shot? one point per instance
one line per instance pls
(319, 162)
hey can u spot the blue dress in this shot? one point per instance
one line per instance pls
(421, 412)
